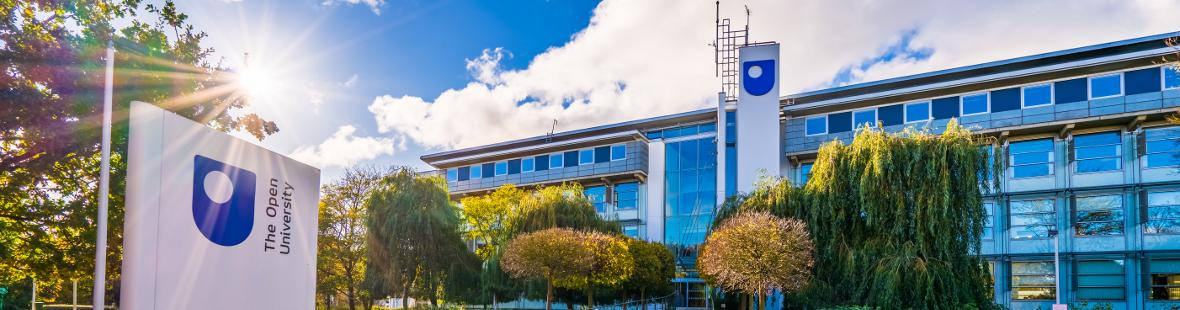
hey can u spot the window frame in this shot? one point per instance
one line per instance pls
(1052, 160)
(1118, 149)
(1122, 84)
(987, 103)
(476, 172)
(1164, 78)
(906, 112)
(872, 123)
(1011, 226)
(498, 165)
(1052, 95)
(584, 160)
(1122, 221)
(1012, 280)
(531, 159)
(1147, 219)
(452, 174)
(1151, 276)
(615, 193)
(1077, 274)
(804, 177)
(808, 120)
(624, 152)
(559, 157)
(1146, 164)
(989, 210)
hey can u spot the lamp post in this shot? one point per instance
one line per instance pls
(1056, 270)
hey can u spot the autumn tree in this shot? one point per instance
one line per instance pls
(655, 266)
(556, 255)
(489, 218)
(342, 236)
(755, 253)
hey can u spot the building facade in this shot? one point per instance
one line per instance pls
(1092, 166)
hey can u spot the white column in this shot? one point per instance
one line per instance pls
(655, 191)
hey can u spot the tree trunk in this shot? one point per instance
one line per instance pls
(743, 300)
(643, 298)
(762, 301)
(351, 293)
(549, 295)
(589, 299)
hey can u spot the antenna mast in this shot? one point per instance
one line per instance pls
(725, 47)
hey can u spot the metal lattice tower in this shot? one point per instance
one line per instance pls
(725, 55)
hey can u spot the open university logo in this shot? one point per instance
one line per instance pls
(758, 76)
(223, 201)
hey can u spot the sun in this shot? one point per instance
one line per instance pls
(257, 81)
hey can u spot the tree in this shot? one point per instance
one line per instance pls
(611, 264)
(489, 218)
(556, 255)
(342, 236)
(655, 266)
(755, 253)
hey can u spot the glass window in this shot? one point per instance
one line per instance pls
(1031, 158)
(1098, 215)
(1165, 279)
(1038, 95)
(986, 176)
(618, 152)
(631, 231)
(1032, 219)
(804, 173)
(452, 175)
(1163, 213)
(1171, 77)
(1098, 152)
(975, 104)
(627, 196)
(1106, 85)
(690, 190)
(597, 196)
(527, 164)
(1162, 147)
(476, 172)
(817, 125)
(917, 112)
(989, 209)
(501, 168)
(555, 160)
(1101, 279)
(861, 118)
(586, 157)
(1033, 281)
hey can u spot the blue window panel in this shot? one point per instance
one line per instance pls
(1142, 81)
(1031, 158)
(585, 157)
(1171, 77)
(864, 117)
(1163, 213)
(1005, 100)
(627, 196)
(707, 128)
(655, 134)
(816, 125)
(452, 175)
(1038, 95)
(891, 115)
(944, 108)
(1070, 91)
(543, 162)
(975, 104)
(602, 154)
(501, 168)
(489, 170)
(1162, 147)
(514, 166)
(1101, 279)
(1098, 152)
(464, 173)
(597, 197)
(618, 152)
(839, 122)
(730, 170)
(917, 112)
(1106, 85)
(804, 173)
(570, 158)
(731, 126)
(476, 172)
(528, 164)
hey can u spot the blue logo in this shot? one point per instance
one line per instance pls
(223, 201)
(758, 76)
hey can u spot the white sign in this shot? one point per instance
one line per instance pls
(759, 135)
(214, 222)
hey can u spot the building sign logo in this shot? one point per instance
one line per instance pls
(223, 201)
(758, 76)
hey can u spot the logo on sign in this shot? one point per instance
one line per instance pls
(223, 201)
(758, 76)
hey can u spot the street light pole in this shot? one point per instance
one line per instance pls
(104, 183)
(1056, 268)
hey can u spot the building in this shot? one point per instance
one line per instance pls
(1089, 155)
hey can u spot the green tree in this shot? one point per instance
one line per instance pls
(655, 266)
(489, 218)
(610, 266)
(756, 253)
(342, 236)
(556, 255)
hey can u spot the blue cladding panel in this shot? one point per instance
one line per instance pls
(839, 122)
(571, 158)
(542, 162)
(602, 154)
(944, 108)
(1069, 91)
(489, 170)
(1142, 81)
(1005, 100)
(890, 115)
(514, 166)
(464, 173)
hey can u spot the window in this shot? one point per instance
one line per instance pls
(1162, 147)
(631, 231)
(1033, 281)
(917, 112)
(586, 157)
(476, 172)
(1165, 279)
(527, 164)
(555, 160)
(501, 168)
(1098, 215)
(627, 196)
(989, 209)
(1032, 219)
(597, 197)
(1163, 212)
(975, 104)
(817, 125)
(618, 152)
(804, 173)
(861, 118)
(452, 175)
(987, 176)
(1106, 86)
(1171, 77)
(1033, 158)
(1037, 95)
(1098, 152)
(1101, 279)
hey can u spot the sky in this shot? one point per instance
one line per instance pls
(382, 82)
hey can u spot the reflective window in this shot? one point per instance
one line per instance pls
(627, 196)
(1106, 85)
(1098, 215)
(1171, 77)
(586, 157)
(476, 172)
(1163, 213)
(989, 209)
(618, 152)
(917, 112)
(1037, 95)
(1033, 281)
(1098, 152)
(452, 175)
(1162, 147)
(555, 160)
(804, 173)
(865, 117)
(1165, 279)
(1101, 279)
(527, 164)
(631, 231)
(987, 175)
(817, 125)
(1031, 219)
(597, 196)
(975, 104)
(690, 190)
(1031, 158)
(501, 168)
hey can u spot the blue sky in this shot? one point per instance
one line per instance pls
(377, 82)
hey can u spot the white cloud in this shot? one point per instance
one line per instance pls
(344, 149)
(351, 81)
(645, 58)
(374, 5)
